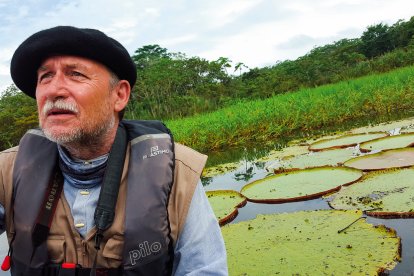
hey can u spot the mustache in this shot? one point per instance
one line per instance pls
(59, 104)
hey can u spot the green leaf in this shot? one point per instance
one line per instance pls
(317, 159)
(283, 153)
(386, 143)
(300, 184)
(345, 141)
(397, 158)
(387, 193)
(225, 204)
(308, 243)
(221, 169)
(403, 125)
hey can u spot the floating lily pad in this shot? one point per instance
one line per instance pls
(225, 204)
(388, 126)
(317, 159)
(407, 131)
(387, 193)
(221, 169)
(285, 152)
(345, 141)
(386, 143)
(397, 158)
(310, 243)
(300, 184)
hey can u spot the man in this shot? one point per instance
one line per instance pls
(92, 193)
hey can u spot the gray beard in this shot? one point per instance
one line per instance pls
(82, 137)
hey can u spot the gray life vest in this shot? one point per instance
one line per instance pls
(148, 246)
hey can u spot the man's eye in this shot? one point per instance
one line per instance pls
(76, 74)
(45, 76)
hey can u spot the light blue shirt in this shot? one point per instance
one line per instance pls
(199, 249)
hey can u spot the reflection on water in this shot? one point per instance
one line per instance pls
(248, 153)
(235, 180)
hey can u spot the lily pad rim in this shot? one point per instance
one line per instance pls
(230, 217)
(364, 150)
(378, 153)
(345, 145)
(301, 198)
(382, 214)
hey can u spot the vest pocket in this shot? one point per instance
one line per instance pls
(113, 250)
(56, 247)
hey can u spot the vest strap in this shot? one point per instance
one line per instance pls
(44, 218)
(48, 208)
(105, 210)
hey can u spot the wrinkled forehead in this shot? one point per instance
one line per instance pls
(68, 62)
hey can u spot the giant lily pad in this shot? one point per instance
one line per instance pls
(300, 184)
(317, 159)
(407, 130)
(345, 141)
(221, 169)
(386, 193)
(225, 204)
(388, 126)
(285, 152)
(386, 143)
(397, 158)
(324, 242)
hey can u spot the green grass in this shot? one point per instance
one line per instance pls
(303, 112)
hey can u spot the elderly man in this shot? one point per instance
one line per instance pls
(92, 193)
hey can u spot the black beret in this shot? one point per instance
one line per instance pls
(67, 40)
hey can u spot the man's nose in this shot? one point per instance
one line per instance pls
(57, 87)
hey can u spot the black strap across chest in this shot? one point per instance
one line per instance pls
(44, 219)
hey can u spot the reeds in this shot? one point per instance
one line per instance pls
(304, 111)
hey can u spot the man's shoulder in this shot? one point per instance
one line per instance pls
(190, 157)
(7, 157)
(10, 151)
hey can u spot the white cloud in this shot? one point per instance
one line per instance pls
(4, 70)
(152, 12)
(170, 42)
(256, 32)
(218, 14)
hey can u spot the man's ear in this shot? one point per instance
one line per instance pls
(122, 91)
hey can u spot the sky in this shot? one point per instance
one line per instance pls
(256, 32)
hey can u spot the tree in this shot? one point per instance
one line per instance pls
(18, 113)
(172, 84)
(402, 32)
(376, 40)
(239, 67)
(149, 54)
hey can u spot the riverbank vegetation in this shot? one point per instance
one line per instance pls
(182, 90)
(304, 112)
